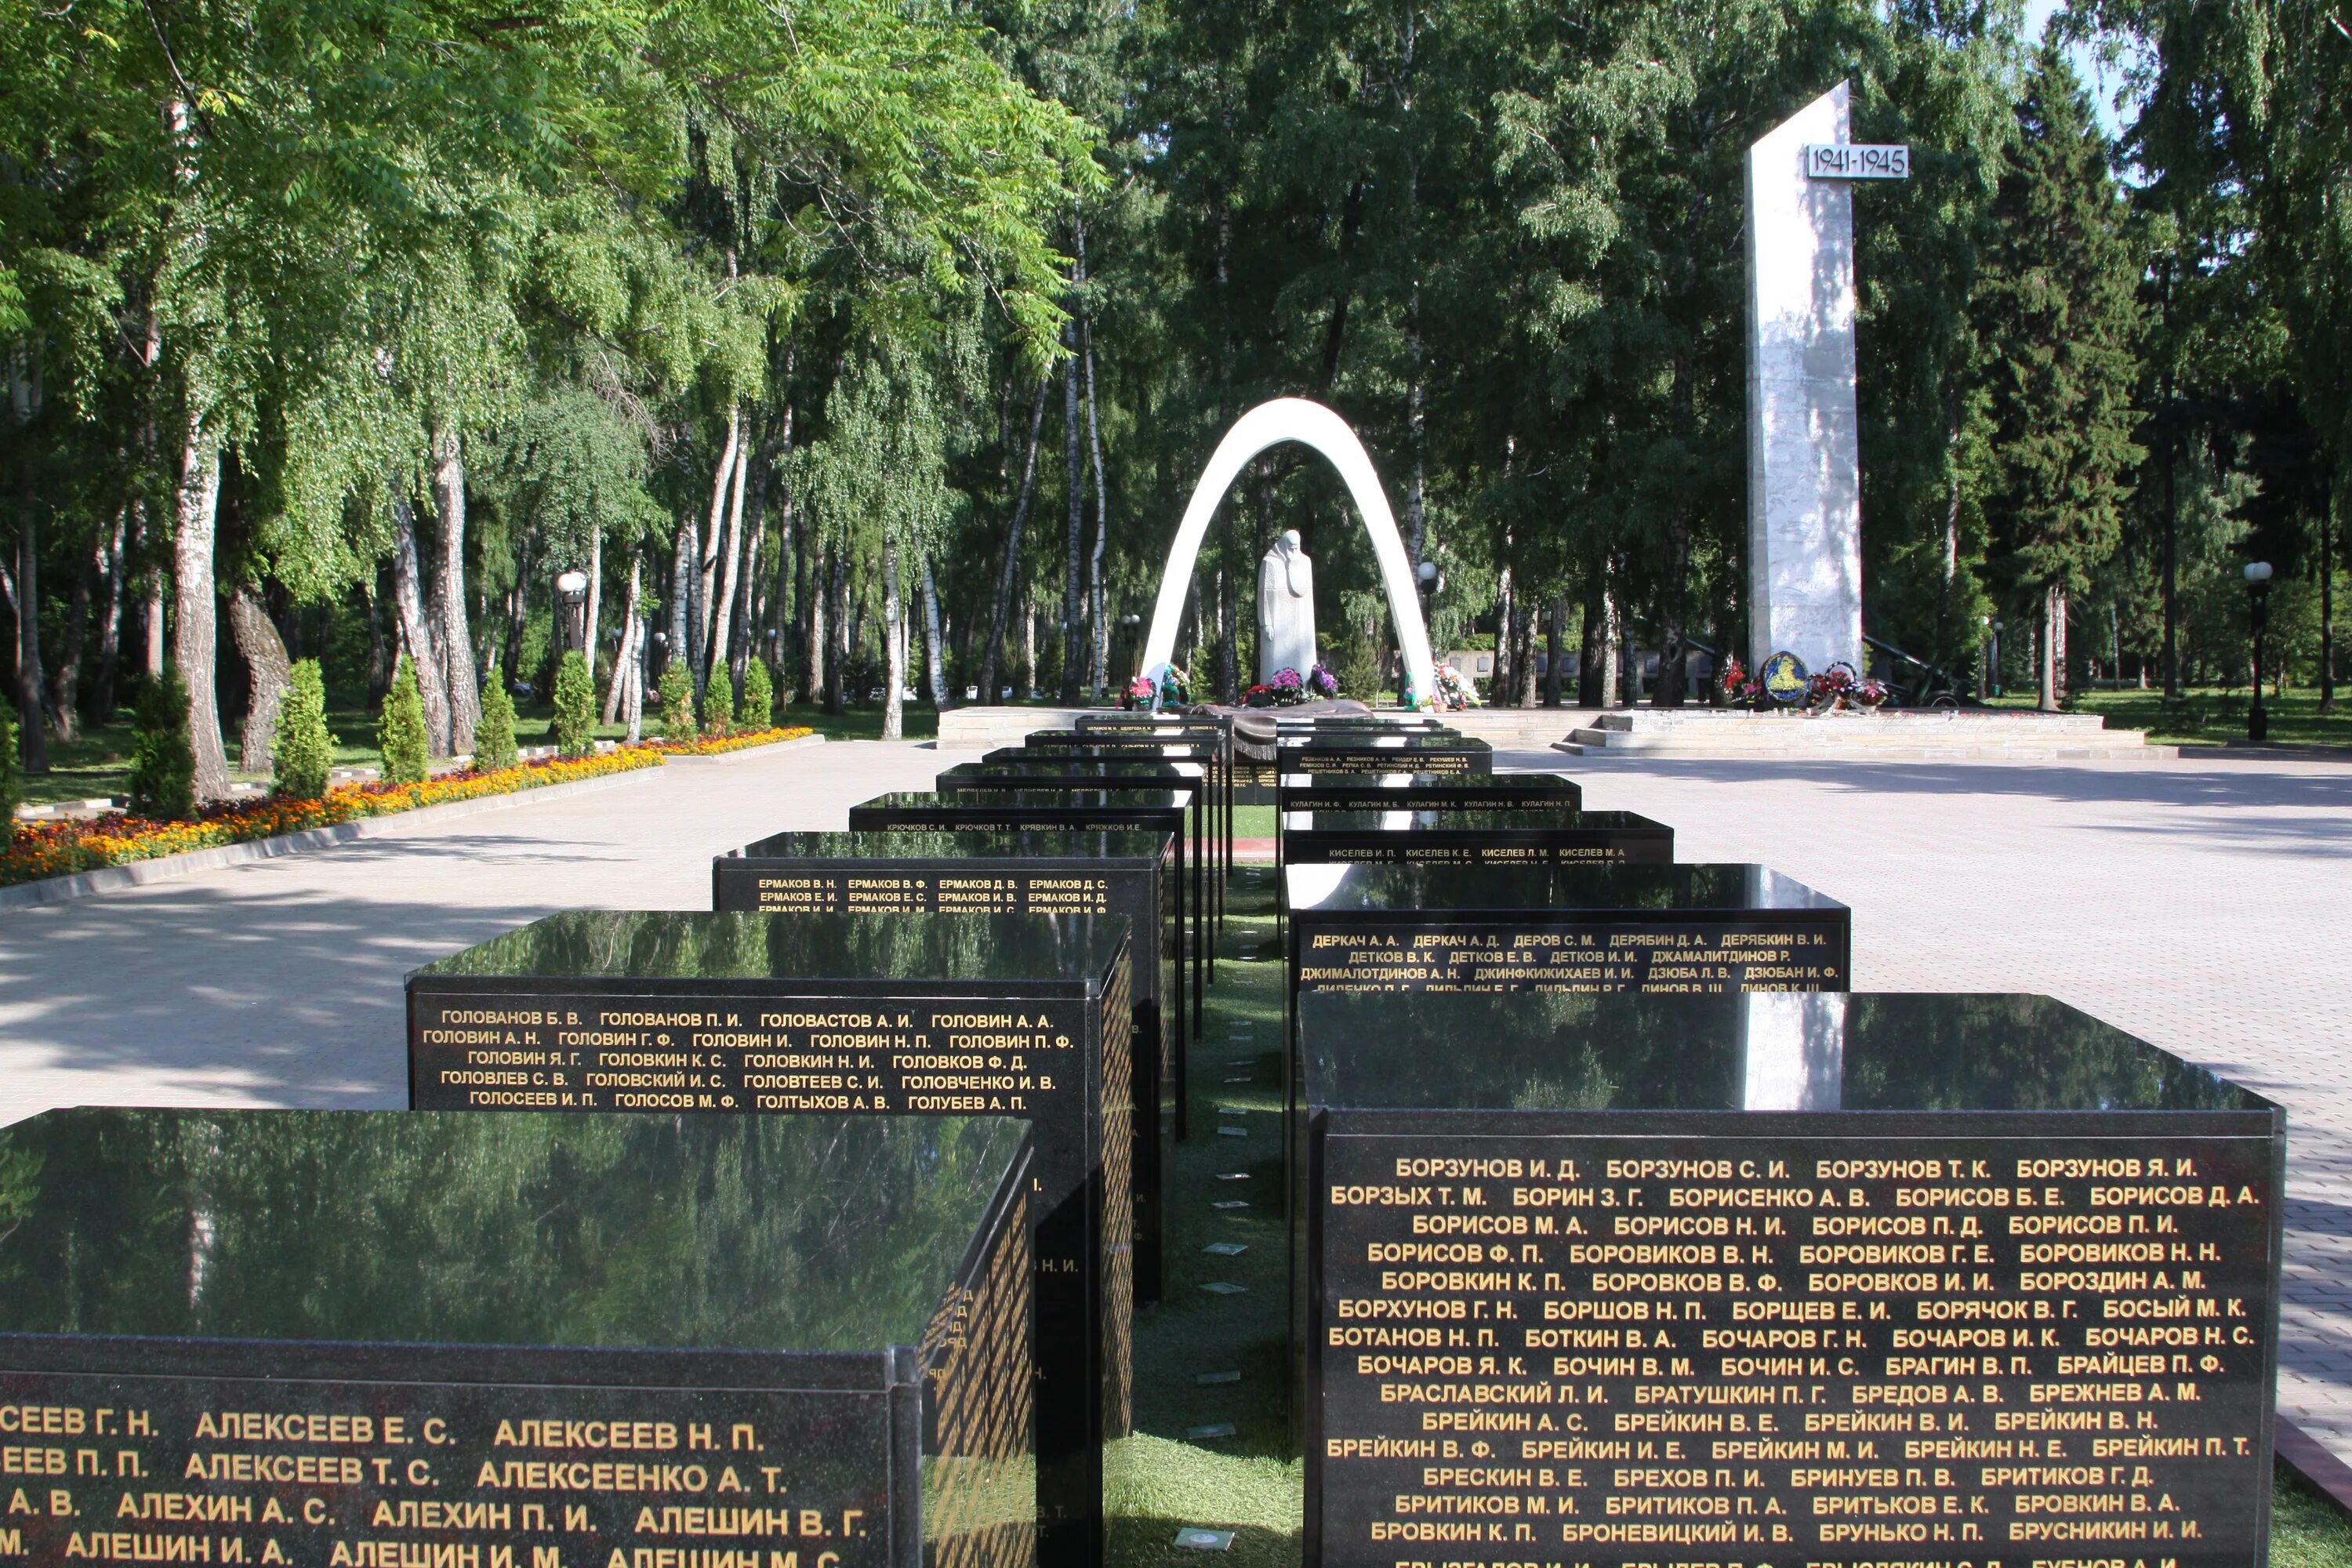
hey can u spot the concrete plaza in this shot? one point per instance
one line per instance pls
(2205, 904)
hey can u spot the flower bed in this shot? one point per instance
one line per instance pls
(61, 848)
(713, 745)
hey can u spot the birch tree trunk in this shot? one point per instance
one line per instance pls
(194, 625)
(681, 598)
(894, 647)
(1073, 582)
(935, 670)
(592, 604)
(456, 642)
(633, 631)
(815, 597)
(710, 542)
(1097, 610)
(837, 675)
(722, 617)
(269, 671)
(416, 631)
(1010, 572)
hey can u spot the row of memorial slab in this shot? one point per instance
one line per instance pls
(809, 1233)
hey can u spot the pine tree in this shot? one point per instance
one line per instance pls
(400, 733)
(302, 752)
(2060, 306)
(163, 754)
(719, 705)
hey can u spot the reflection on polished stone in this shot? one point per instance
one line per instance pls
(1694, 886)
(325, 1330)
(1895, 1052)
(1410, 792)
(661, 944)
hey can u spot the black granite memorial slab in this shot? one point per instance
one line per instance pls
(874, 1015)
(1945, 1280)
(1500, 836)
(974, 810)
(1320, 754)
(1002, 873)
(356, 1340)
(1583, 929)
(1209, 745)
(1416, 792)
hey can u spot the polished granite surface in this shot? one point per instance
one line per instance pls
(1053, 799)
(1466, 819)
(1897, 1051)
(1392, 888)
(716, 1232)
(950, 845)
(666, 945)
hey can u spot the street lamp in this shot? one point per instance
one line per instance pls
(574, 587)
(2258, 605)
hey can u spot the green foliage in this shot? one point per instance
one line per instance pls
(758, 696)
(400, 729)
(675, 690)
(163, 753)
(303, 752)
(494, 737)
(11, 780)
(719, 705)
(576, 707)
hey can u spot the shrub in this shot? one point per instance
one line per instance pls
(302, 751)
(718, 704)
(677, 693)
(494, 740)
(576, 707)
(10, 781)
(758, 695)
(164, 754)
(400, 733)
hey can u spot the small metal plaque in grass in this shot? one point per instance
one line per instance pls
(1233, 1132)
(1213, 1430)
(1227, 1248)
(1212, 1379)
(1232, 1175)
(1193, 1540)
(1244, 1079)
(1230, 1203)
(1224, 1287)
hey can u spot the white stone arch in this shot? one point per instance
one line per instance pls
(1310, 423)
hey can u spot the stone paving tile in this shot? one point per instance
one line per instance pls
(2205, 905)
(278, 983)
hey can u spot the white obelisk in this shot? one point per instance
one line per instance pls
(1805, 468)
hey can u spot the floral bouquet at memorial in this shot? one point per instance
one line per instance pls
(1321, 682)
(1285, 691)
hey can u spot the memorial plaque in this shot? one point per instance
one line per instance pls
(1211, 746)
(872, 1014)
(1064, 810)
(1320, 754)
(1671, 929)
(1473, 837)
(1416, 792)
(365, 1339)
(1001, 873)
(1945, 1280)
(1188, 780)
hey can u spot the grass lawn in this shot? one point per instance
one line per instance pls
(2208, 717)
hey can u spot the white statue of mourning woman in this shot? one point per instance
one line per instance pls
(1285, 609)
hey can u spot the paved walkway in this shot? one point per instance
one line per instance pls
(2205, 905)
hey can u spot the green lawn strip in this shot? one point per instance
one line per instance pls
(1160, 1480)
(1252, 822)
(2207, 716)
(2307, 1531)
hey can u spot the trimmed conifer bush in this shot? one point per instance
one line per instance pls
(576, 707)
(758, 696)
(675, 690)
(303, 752)
(494, 737)
(163, 752)
(718, 704)
(400, 733)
